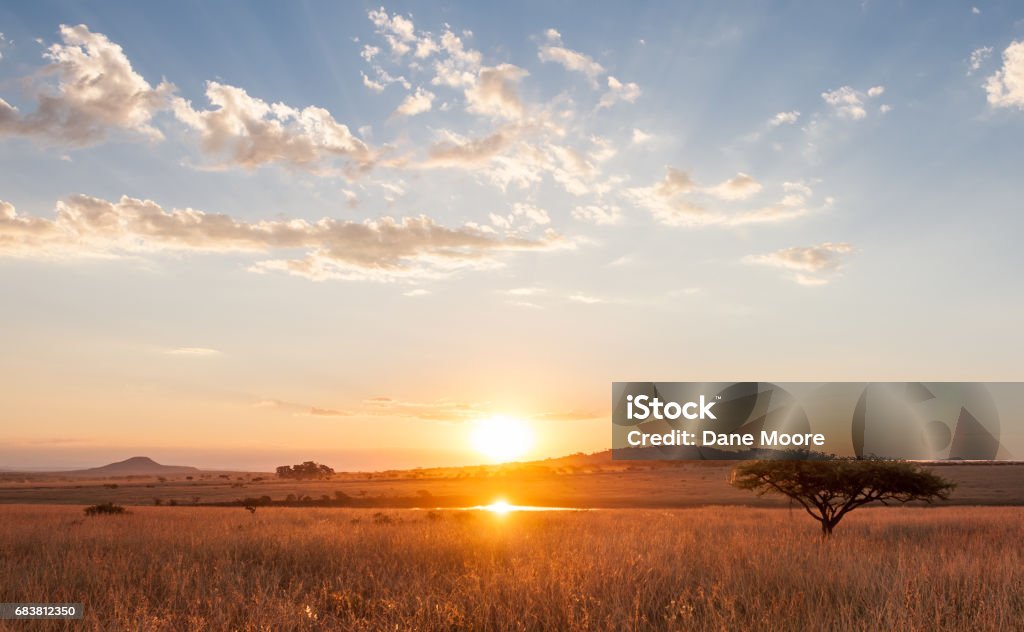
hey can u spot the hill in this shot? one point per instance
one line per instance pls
(135, 466)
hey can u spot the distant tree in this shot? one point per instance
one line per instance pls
(828, 490)
(305, 471)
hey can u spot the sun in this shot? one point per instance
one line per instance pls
(500, 507)
(502, 439)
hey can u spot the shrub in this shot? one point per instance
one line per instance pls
(105, 509)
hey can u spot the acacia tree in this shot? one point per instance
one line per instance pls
(828, 490)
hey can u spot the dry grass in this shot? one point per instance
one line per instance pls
(334, 569)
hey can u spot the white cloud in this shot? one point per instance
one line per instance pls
(417, 103)
(495, 92)
(397, 30)
(523, 218)
(198, 352)
(1005, 88)
(580, 297)
(846, 102)
(416, 292)
(246, 131)
(978, 57)
(669, 201)
(379, 249)
(369, 52)
(375, 86)
(601, 215)
(95, 91)
(975, 11)
(459, 68)
(849, 103)
(740, 187)
(640, 137)
(785, 118)
(618, 91)
(812, 265)
(458, 151)
(526, 291)
(553, 51)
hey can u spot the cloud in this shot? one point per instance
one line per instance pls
(739, 188)
(523, 218)
(663, 199)
(526, 291)
(458, 151)
(495, 92)
(416, 103)
(459, 67)
(618, 91)
(247, 132)
(1005, 88)
(849, 103)
(416, 292)
(375, 86)
(813, 265)
(95, 91)
(784, 118)
(978, 57)
(553, 51)
(640, 137)
(440, 410)
(669, 201)
(380, 249)
(301, 410)
(200, 352)
(601, 215)
(400, 34)
(586, 299)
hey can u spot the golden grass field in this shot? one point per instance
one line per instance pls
(717, 568)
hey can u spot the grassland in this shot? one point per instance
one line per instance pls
(184, 568)
(590, 481)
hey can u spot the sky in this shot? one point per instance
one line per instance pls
(239, 235)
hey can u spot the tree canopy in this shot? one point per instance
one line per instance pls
(307, 470)
(828, 490)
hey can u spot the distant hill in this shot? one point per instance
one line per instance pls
(135, 466)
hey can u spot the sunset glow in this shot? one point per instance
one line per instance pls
(502, 439)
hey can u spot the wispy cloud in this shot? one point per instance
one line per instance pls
(811, 265)
(199, 352)
(379, 249)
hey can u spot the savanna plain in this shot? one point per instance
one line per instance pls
(711, 568)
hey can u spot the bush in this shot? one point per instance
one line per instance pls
(106, 509)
